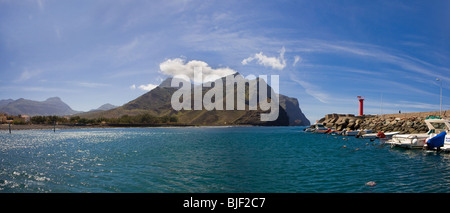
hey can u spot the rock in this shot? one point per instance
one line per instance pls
(351, 125)
(415, 124)
(371, 183)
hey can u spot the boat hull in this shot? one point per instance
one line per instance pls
(412, 141)
(446, 146)
(355, 132)
(321, 131)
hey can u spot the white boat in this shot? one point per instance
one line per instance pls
(355, 132)
(374, 135)
(417, 141)
(409, 141)
(351, 133)
(370, 136)
(439, 138)
(320, 128)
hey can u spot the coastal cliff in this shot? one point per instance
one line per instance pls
(401, 122)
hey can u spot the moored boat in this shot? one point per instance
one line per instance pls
(317, 128)
(375, 135)
(356, 132)
(320, 128)
(351, 133)
(322, 131)
(408, 141)
(435, 126)
(439, 139)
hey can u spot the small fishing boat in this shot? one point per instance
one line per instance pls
(356, 132)
(375, 135)
(317, 128)
(321, 131)
(351, 133)
(335, 132)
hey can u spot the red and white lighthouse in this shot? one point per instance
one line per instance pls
(361, 105)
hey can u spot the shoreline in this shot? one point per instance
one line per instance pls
(5, 127)
(46, 127)
(70, 126)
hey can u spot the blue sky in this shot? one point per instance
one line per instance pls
(326, 52)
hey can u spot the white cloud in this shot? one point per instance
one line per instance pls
(27, 74)
(178, 66)
(276, 63)
(147, 87)
(296, 59)
(144, 87)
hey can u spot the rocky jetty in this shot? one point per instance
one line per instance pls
(401, 122)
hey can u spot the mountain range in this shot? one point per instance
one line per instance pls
(157, 102)
(51, 106)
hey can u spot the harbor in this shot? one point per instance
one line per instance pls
(408, 130)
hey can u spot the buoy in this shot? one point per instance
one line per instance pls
(344, 146)
(371, 183)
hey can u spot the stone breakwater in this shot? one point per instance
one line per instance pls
(400, 122)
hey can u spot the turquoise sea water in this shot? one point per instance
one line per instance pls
(211, 159)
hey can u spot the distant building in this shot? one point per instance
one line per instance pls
(18, 119)
(25, 118)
